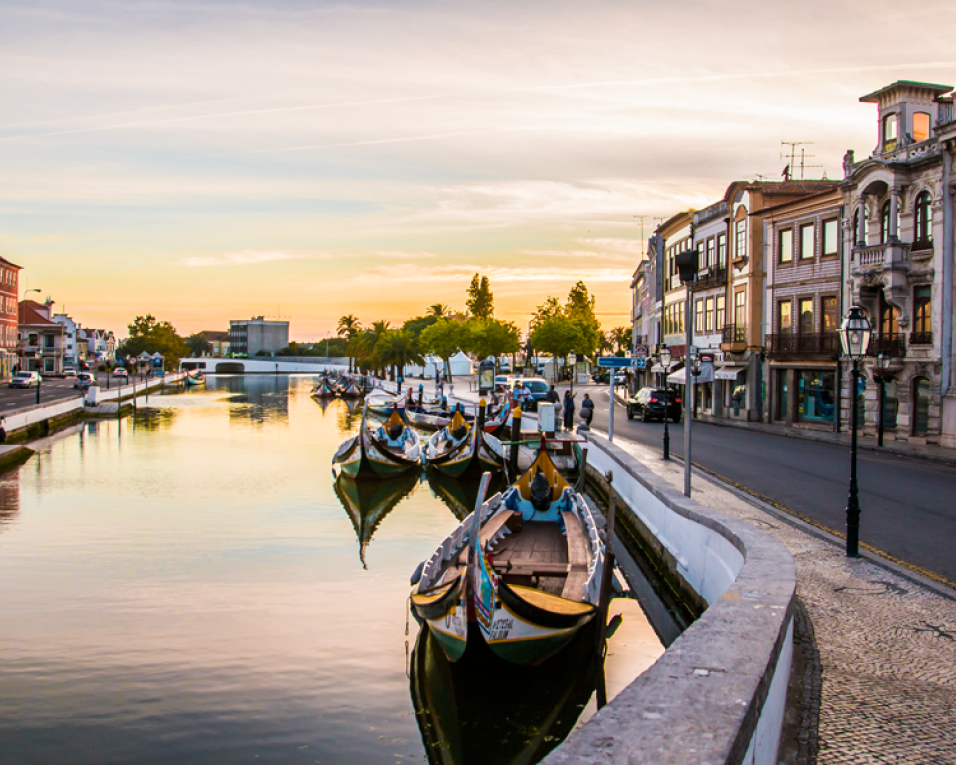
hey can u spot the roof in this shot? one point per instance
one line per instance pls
(6, 262)
(28, 316)
(806, 200)
(875, 96)
(215, 334)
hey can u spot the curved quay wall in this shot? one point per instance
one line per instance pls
(718, 694)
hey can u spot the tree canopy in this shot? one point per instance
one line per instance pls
(558, 335)
(444, 339)
(148, 334)
(480, 302)
(491, 337)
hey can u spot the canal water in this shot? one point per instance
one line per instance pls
(190, 585)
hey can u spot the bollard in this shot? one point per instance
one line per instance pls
(421, 393)
(480, 420)
(39, 380)
(515, 441)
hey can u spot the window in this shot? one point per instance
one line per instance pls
(784, 319)
(782, 397)
(890, 132)
(806, 241)
(806, 316)
(786, 246)
(889, 320)
(721, 250)
(816, 399)
(830, 314)
(921, 122)
(740, 245)
(699, 317)
(711, 253)
(885, 222)
(720, 317)
(740, 308)
(923, 226)
(709, 316)
(923, 310)
(831, 237)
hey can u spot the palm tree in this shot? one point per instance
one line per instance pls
(438, 309)
(398, 349)
(349, 326)
(378, 331)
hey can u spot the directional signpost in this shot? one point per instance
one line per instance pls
(614, 363)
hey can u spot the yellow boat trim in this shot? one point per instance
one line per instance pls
(544, 464)
(424, 600)
(553, 603)
(456, 422)
(393, 420)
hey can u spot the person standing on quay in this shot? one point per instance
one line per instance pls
(568, 410)
(552, 397)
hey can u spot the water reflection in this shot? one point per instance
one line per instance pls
(9, 498)
(460, 494)
(368, 501)
(480, 711)
(255, 398)
(151, 418)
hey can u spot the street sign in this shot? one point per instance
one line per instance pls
(616, 362)
(641, 350)
(639, 363)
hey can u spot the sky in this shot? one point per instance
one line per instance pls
(206, 161)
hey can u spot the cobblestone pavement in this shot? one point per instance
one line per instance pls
(880, 650)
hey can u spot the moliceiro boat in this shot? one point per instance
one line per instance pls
(459, 447)
(193, 380)
(522, 572)
(387, 450)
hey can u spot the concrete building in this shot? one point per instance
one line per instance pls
(41, 340)
(249, 337)
(75, 342)
(899, 257)
(9, 315)
(804, 309)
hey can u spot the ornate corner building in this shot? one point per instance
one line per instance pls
(898, 240)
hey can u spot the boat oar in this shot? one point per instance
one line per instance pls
(607, 574)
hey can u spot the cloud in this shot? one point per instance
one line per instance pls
(405, 254)
(253, 257)
(460, 273)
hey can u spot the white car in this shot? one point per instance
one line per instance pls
(25, 380)
(121, 372)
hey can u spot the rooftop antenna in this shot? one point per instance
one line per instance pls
(790, 171)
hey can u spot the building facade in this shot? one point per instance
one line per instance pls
(804, 309)
(9, 316)
(41, 340)
(252, 337)
(899, 245)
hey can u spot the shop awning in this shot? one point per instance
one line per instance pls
(729, 371)
(706, 375)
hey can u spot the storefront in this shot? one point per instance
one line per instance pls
(804, 395)
(704, 393)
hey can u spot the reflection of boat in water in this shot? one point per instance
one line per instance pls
(368, 502)
(472, 713)
(461, 494)
(523, 572)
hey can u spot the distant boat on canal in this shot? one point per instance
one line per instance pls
(385, 451)
(194, 379)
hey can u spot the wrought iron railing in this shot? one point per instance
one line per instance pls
(921, 338)
(811, 344)
(889, 343)
(716, 277)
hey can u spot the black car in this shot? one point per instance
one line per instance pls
(648, 404)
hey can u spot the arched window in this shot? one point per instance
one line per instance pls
(923, 226)
(920, 406)
(885, 222)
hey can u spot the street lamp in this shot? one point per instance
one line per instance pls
(855, 338)
(665, 357)
(883, 367)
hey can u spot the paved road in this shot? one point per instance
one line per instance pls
(52, 389)
(909, 506)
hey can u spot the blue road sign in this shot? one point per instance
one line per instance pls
(616, 362)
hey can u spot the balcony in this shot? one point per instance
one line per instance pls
(880, 257)
(921, 338)
(708, 278)
(734, 338)
(817, 344)
(889, 343)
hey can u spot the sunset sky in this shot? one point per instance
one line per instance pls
(209, 160)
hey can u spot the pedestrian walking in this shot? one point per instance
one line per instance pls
(568, 407)
(552, 397)
(587, 410)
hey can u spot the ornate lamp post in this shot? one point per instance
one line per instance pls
(855, 338)
(883, 367)
(665, 357)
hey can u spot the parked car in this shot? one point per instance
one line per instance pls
(69, 372)
(649, 403)
(539, 391)
(84, 380)
(25, 380)
(121, 373)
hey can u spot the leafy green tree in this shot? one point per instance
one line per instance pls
(491, 337)
(198, 344)
(398, 348)
(148, 334)
(418, 323)
(580, 309)
(550, 307)
(480, 302)
(559, 336)
(444, 339)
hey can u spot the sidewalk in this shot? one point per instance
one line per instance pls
(874, 676)
(929, 452)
